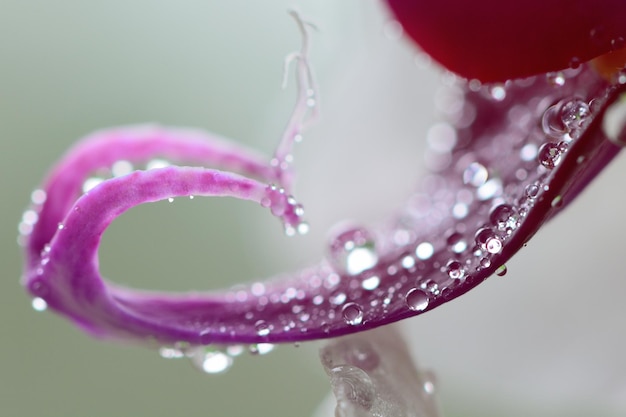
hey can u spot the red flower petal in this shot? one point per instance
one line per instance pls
(496, 40)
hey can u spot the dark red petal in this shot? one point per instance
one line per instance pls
(496, 40)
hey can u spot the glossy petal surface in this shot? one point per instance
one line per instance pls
(493, 40)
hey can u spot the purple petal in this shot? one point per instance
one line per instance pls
(512, 156)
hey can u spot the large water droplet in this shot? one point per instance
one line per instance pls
(352, 250)
(575, 113)
(504, 217)
(352, 314)
(417, 300)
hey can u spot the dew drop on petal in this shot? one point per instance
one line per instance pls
(371, 283)
(549, 155)
(455, 270)
(475, 174)
(501, 271)
(262, 328)
(417, 300)
(556, 79)
(574, 114)
(424, 250)
(352, 250)
(352, 314)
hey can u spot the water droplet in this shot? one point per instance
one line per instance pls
(417, 300)
(557, 202)
(352, 314)
(487, 240)
(475, 174)
(354, 385)
(262, 328)
(168, 352)
(549, 155)
(121, 168)
(574, 114)
(456, 243)
(352, 250)
(501, 271)
(39, 304)
(171, 200)
(157, 163)
(38, 197)
(371, 283)
(455, 270)
(211, 361)
(556, 79)
(408, 262)
(504, 217)
(261, 348)
(424, 250)
(91, 183)
(490, 189)
(532, 190)
(497, 92)
(338, 298)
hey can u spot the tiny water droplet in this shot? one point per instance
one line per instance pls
(424, 250)
(121, 168)
(352, 314)
(211, 361)
(455, 270)
(475, 174)
(501, 271)
(91, 183)
(556, 79)
(532, 190)
(262, 328)
(557, 201)
(171, 200)
(456, 243)
(417, 300)
(497, 92)
(371, 283)
(39, 304)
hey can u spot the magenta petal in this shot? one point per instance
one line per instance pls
(495, 40)
(511, 158)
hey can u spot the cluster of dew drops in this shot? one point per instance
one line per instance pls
(453, 215)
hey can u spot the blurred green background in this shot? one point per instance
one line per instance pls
(546, 340)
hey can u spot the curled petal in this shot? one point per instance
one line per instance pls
(493, 40)
(512, 156)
